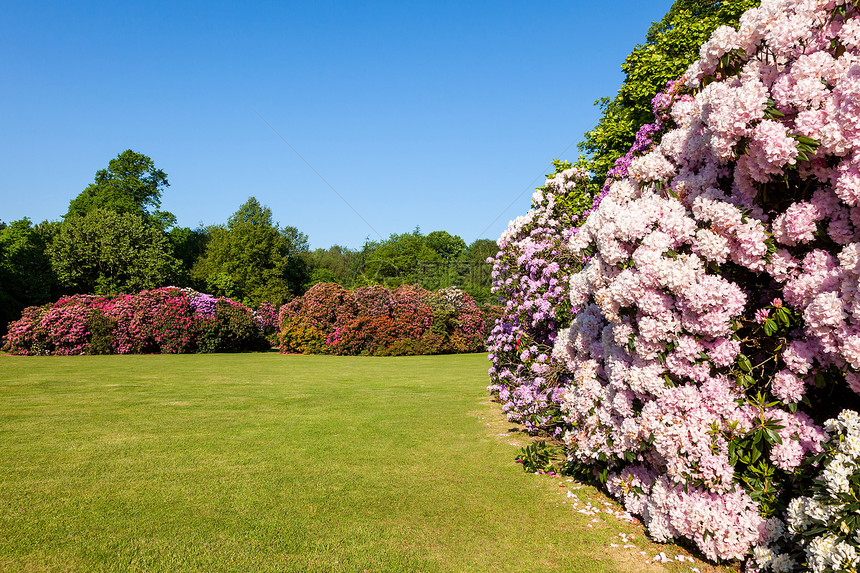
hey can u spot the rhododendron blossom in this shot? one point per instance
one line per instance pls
(164, 320)
(532, 280)
(715, 289)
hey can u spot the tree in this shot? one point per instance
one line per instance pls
(106, 252)
(188, 246)
(333, 265)
(395, 261)
(434, 261)
(26, 276)
(252, 259)
(449, 247)
(671, 45)
(130, 184)
(481, 250)
(479, 280)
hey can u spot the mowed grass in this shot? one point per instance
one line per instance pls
(264, 462)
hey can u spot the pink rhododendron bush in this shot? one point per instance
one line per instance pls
(165, 320)
(375, 320)
(710, 372)
(530, 275)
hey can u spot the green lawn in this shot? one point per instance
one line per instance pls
(264, 462)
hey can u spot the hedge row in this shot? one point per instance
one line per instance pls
(165, 320)
(375, 320)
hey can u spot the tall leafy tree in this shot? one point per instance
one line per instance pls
(450, 247)
(26, 276)
(434, 261)
(106, 252)
(478, 280)
(188, 246)
(670, 46)
(130, 184)
(336, 264)
(252, 258)
(481, 250)
(396, 260)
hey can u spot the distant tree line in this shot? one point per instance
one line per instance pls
(115, 239)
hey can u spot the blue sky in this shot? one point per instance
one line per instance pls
(432, 114)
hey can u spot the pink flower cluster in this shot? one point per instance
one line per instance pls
(165, 320)
(530, 277)
(745, 190)
(267, 316)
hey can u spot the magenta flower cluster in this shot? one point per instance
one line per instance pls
(530, 275)
(165, 320)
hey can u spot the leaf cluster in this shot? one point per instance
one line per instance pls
(252, 258)
(671, 45)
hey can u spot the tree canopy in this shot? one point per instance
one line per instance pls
(130, 184)
(106, 252)
(26, 276)
(449, 247)
(436, 260)
(252, 258)
(393, 262)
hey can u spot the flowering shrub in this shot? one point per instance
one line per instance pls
(300, 336)
(325, 306)
(61, 330)
(381, 321)
(530, 275)
(822, 528)
(268, 318)
(166, 320)
(714, 292)
(237, 328)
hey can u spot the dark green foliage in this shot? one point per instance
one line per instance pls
(235, 330)
(252, 259)
(188, 246)
(26, 276)
(106, 252)
(208, 335)
(131, 184)
(101, 328)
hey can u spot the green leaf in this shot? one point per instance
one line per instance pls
(770, 327)
(772, 437)
(757, 439)
(807, 140)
